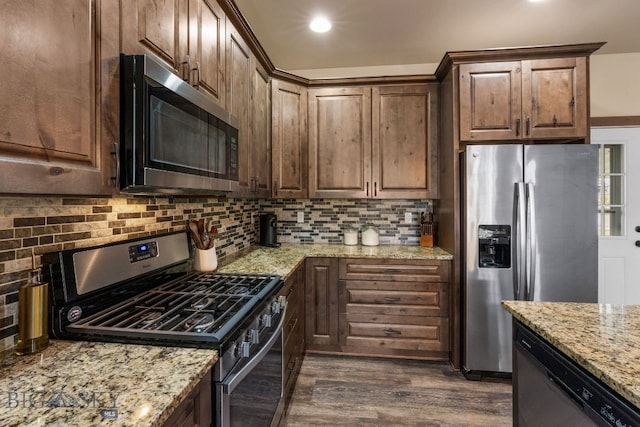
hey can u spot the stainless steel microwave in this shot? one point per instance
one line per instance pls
(174, 139)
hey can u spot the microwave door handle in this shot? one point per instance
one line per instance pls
(519, 239)
(235, 379)
(531, 243)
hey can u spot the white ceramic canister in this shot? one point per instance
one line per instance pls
(370, 236)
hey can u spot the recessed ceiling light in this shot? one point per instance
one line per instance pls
(320, 24)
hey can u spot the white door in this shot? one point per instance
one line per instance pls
(618, 214)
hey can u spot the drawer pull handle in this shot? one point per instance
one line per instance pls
(389, 299)
(392, 332)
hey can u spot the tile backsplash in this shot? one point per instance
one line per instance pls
(324, 220)
(36, 225)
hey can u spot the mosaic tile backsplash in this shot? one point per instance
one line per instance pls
(33, 226)
(325, 220)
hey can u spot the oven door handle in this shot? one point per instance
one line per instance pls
(234, 379)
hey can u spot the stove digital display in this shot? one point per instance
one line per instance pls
(143, 251)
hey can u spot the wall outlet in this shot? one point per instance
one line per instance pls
(300, 217)
(408, 217)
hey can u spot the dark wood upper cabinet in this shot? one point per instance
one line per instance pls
(404, 141)
(289, 140)
(554, 98)
(529, 99)
(188, 35)
(238, 96)
(207, 39)
(340, 142)
(158, 27)
(373, 142)
(260, 131)
(248, 99)
(58, 97)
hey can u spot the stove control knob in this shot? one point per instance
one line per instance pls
(266, 320)
(244, 349)
(275, 307)
(254, 336)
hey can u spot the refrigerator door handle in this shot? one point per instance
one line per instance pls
(531, 243)
(520, 237)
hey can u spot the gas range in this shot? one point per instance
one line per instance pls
(198, 309)
(140, 291)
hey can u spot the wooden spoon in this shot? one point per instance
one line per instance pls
(195, 234)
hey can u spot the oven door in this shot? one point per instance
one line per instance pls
(251, 396)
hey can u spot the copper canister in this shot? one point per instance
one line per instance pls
(33, 300)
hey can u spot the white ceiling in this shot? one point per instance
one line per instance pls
(370, 33)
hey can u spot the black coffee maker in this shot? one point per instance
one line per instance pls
(269, 230)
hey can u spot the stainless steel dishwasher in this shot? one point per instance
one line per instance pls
(549, 389)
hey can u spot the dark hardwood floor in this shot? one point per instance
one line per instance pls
(355, 391)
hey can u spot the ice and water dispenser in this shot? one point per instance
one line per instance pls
(494, 246)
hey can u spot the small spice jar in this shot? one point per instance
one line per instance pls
(370, 235)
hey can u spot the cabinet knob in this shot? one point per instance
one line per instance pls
(638, 243)
(637, 228)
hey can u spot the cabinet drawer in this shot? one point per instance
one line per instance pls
(430, 300)
(430, 335)
(391, 270)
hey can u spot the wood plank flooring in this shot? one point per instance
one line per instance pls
(355, 391)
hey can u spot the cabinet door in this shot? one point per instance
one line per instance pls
(238, 96)
(404, 141)
(554, 98)
(260, 132)
(340, 143)
(289, 140)
(158, 27)
(321, 304)
(206, 47)
(490, 101)
(50, 98)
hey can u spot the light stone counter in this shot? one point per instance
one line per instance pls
(602, 338)
(98, 384)
(285, 259)
(89, 383)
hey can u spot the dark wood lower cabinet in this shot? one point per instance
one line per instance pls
(293, 332)
(377, 307)
(196, 410)
(321, 305)
(395, 308)
(293, 328)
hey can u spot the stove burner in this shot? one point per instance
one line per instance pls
(149, 317)
(199, 288)
(240, 290)
(201, 303)
(199, 322)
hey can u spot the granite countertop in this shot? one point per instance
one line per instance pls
(83, 383)
(602, 338)
(90, 383)
(284, 259)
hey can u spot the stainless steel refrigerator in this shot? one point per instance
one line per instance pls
(529, 233)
